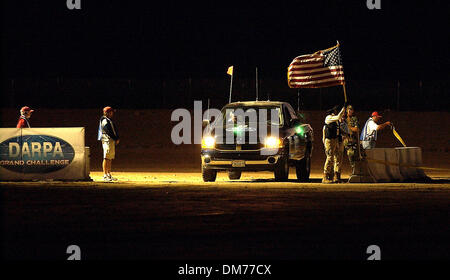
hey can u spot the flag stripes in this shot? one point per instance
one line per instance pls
(321, 69)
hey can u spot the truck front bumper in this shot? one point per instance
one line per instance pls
(240, 160)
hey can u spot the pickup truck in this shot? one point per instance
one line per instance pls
(292, 144)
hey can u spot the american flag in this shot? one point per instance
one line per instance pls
(320, 69)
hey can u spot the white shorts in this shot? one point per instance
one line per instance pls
(109, 149)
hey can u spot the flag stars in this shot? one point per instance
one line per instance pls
(332, 57)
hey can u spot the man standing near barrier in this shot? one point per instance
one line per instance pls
(369, 133)
(25, 115)
(107, 133)
(330, 140)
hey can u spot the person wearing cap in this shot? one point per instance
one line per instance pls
(330, 139)
(24, 119)
(370, 130)
(107, 133)
(351, 141)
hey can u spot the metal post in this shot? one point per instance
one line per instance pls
(256, 83)
(231, 86)
(345, 93)
(208, 110)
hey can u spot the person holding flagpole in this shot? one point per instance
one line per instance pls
(323, 68)
(342, 136)
(331, 137)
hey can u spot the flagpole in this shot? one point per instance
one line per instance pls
(343, 85)
(208, 109)
(337, 45)
(345, 92)
(231, 85)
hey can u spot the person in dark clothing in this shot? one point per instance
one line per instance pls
(109, 136)
(330, 139)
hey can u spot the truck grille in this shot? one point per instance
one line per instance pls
(233, 147)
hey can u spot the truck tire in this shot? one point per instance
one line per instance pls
(303, 167)
(209, 175)
(234, 175)
(282, 169)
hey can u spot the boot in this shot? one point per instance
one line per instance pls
(337, 177)
(326, 179)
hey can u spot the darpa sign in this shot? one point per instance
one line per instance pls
(35, 154)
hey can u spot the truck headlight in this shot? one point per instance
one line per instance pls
(208, 142)
(272, 142)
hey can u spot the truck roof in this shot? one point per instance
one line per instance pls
(255, 103)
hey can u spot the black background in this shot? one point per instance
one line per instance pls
(136, 52)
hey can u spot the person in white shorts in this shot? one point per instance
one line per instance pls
(107, 133)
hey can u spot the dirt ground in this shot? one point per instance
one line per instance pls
(154, 215)
(146, 137)
(161, 209)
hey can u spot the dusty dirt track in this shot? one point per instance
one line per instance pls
(146, 137)
(176, 216)
(167, 212)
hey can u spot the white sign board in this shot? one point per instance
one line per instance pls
(42, 153)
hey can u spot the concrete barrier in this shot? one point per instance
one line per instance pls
(393, 170)
(410, 160)
(390, 165)
(376, 159)
(361, 173)
(87, 167)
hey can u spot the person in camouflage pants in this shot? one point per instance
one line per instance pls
(351, 142)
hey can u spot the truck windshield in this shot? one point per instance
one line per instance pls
(247, 115)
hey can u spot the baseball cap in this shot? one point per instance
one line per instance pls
(108, 109)
(26, 109)
(375, 114)
(350, 107)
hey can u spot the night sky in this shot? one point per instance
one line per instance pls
(177, 40)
